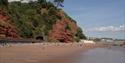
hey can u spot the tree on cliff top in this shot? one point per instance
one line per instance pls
(41, 1)
(3, 3)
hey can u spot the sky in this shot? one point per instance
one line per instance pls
(98, 18)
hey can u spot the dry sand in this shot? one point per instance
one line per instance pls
(42, 52)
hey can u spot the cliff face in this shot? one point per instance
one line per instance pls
(35, 19)
(60, 33)
(63, 30)
(6, 29)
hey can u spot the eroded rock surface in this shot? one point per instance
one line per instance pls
(64, 30)
(7, 30)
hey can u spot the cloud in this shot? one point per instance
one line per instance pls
(120, 28)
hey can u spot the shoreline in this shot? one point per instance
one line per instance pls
(40, 52)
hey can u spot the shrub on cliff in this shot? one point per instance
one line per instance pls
(3, 3)
(80, 34)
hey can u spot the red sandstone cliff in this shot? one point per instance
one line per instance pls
(61, 33)
(6, 29)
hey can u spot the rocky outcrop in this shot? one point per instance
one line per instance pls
(6, 29)
(61, 33)
(63, 30)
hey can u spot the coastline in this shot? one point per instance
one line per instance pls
(43, 52)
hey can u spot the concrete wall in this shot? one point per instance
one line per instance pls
(88, 41)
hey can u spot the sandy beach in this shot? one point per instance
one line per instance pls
(42, 52)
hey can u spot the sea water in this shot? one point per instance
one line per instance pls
(114, 54)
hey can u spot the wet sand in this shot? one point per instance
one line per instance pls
(42, 52)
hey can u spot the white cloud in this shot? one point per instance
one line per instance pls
(120, 28)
